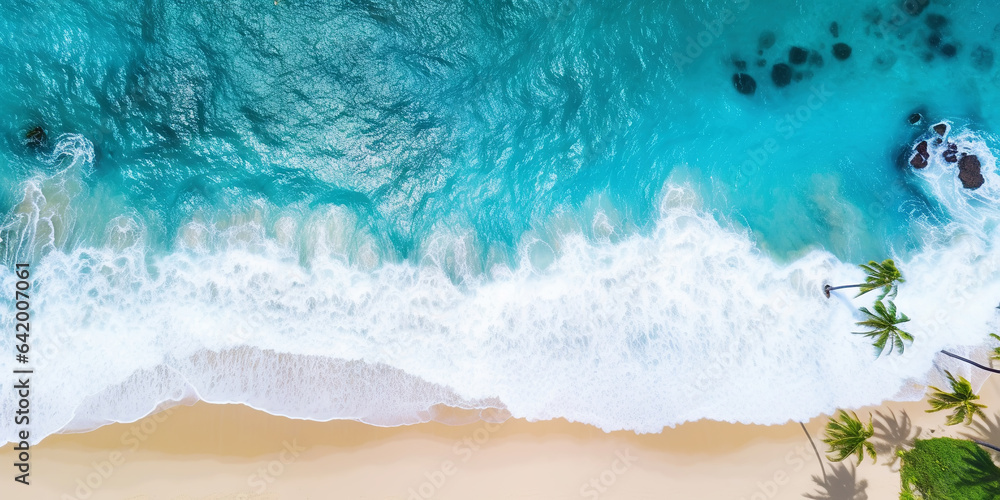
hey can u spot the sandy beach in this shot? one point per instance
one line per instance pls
(668, 219)
(233, 452)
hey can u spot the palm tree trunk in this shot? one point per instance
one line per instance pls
(827, 288)
(814, 449)
(985, 445)
(971, 362)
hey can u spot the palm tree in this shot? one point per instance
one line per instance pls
(973, 363)
(961, 400)
(882, 327)
(995, 355)
(984, 444)
(846, 436)
(884, 276)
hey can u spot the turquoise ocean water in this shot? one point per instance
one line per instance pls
(361, 210)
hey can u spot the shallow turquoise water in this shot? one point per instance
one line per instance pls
(489, 116)
(358, 142)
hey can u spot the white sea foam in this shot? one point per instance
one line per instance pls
(687, 321)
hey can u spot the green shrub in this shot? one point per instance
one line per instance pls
(948, 469)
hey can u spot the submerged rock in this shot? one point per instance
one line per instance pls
(797, 55)
(766, 40)
(816, 59)
(982, 58)
(36, 138)
(740, 64)
(781, 74)
(885, 60)
(970, 172)
(915, 7)
(744, 83)
(934, 40)
(950, 153)
(935, 21)
(761, 63)
(873, 15)
(949, 50)
(835, 29)
(841, 51)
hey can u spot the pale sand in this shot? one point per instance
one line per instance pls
(225, 451)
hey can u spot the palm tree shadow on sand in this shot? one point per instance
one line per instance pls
(894, 434)
(987, 430)
(840, 484)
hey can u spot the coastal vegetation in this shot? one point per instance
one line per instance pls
(847, 436)
(882, 275)
(939, 468)
(973, 363)
(948, 469)
(882, 324)
(961, 400)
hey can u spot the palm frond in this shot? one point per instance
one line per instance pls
(961, 400)
(847, 436)
(882, 275)
(882, 327)
(995, 355)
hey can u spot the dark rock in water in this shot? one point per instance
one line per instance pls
(835, 29)
(744, 83)
(36, 138)
(982, 58)
(996, 32)
(797, 55)
(927, 57)
(885, 60)
(799, 76)
(934, 40)
(841, 51)
(949, 50)
(760, 52)
(935, 21)
(940, 128)
(761, 63)
(915, 7)
(970, 172)
(920, 155)
(781, 74)
(816, 59)
(873, 15)
(915, 118)
(740, 64)
(951, 153)
(766, 40)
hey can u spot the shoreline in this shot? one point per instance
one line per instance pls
(235, 452)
